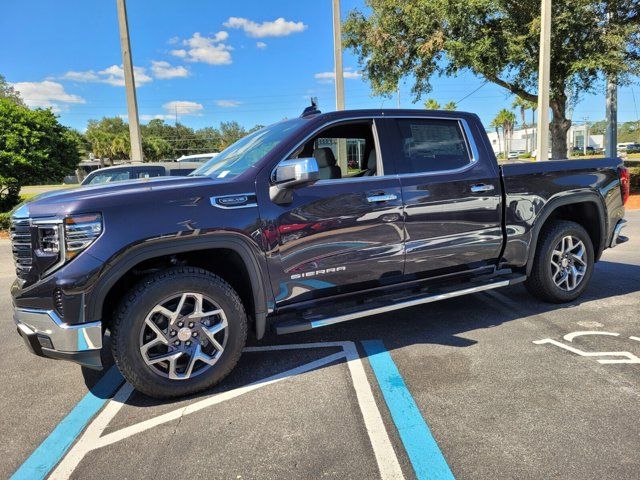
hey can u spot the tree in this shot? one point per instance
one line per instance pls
(34, 149)
(451, 106)
(8, 92)
(499, 41)
(524, 105)
(495, 123)
(230, 132)
(505, 119)
(432, 104)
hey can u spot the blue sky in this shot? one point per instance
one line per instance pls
(212, 61)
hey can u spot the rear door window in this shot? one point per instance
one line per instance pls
(148, 172)
(430, 145)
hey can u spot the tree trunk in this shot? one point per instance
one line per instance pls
(559, 128)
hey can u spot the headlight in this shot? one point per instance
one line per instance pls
(80, 231)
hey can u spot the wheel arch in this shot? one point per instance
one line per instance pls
(196, 251)
(580, 208)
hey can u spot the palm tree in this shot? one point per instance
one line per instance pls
(524, 105)
(451, 106)
(505, 119)
(495, 123)
(432, 104)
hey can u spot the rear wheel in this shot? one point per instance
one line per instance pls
(563, 262)
(178, 332)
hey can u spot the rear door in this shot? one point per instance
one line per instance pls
(451, 195)
(342, 233)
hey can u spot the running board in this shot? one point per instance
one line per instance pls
(317, 321)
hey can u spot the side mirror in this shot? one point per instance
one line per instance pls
(290, 174)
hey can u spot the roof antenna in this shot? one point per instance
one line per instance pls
(312, 109)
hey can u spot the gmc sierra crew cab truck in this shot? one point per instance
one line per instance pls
(308, 222)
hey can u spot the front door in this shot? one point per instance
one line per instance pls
(345, 231)
(451, 191)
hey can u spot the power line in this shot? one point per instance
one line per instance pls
(472, 92)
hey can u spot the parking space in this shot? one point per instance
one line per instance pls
(493, 385)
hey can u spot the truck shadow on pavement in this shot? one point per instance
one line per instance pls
(440, 323)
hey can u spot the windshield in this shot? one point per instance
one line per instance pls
(243, 154)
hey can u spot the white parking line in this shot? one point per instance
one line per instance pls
(386, 458)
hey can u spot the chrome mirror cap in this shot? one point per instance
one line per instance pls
(290, 174)
(296, 171)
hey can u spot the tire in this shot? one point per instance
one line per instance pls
(156, 299)
(541, 283)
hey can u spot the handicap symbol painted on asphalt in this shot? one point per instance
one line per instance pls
(622, 357)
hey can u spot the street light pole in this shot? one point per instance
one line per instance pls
(129, 83)
(544, 70)
(337, 55)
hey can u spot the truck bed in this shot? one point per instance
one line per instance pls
(532, 190)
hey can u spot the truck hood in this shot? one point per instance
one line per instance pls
(90, 198)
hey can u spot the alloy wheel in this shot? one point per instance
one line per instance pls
(568, 263)
(183, 336)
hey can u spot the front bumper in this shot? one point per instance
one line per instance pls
(48, 336)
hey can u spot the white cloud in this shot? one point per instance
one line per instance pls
(164, 70)
(46, 94)
(228, 103)
(329, 77)
(278, 28)
(173, 40)
(183, 107)
(88, 76)
(145, 117)
(211, 50)
(113, 75)
(261, 45)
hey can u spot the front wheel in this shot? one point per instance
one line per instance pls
(178, 332)
(563, 262)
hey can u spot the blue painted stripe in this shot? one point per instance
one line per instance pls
(423, 451)
(54, 447)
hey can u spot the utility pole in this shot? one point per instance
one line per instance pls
(398, 91)
(129, 83)
(544, 70)
(611, 134)
(337, 55)
(586, 135)
(339, 74)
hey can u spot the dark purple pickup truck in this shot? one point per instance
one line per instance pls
(308, 222)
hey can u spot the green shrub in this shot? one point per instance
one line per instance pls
(5, 220)
(635, 179)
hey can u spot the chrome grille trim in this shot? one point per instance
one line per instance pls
(20, 234)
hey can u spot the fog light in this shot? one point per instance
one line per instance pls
(45, 342)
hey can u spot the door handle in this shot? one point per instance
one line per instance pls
(481, 187)
(382, 198)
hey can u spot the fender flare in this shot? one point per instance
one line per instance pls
(126, 259)
(552, 205)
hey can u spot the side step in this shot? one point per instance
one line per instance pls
(389, 304)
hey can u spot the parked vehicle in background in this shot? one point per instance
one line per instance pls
(534, 154)
(278, 231)
(590, 150)
(516, 153)
(200, 157)
(135, 171)
(633, 148)
(628, 147)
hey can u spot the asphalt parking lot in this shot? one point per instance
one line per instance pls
(493, 385)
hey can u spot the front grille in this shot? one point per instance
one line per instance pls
(21, 246)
